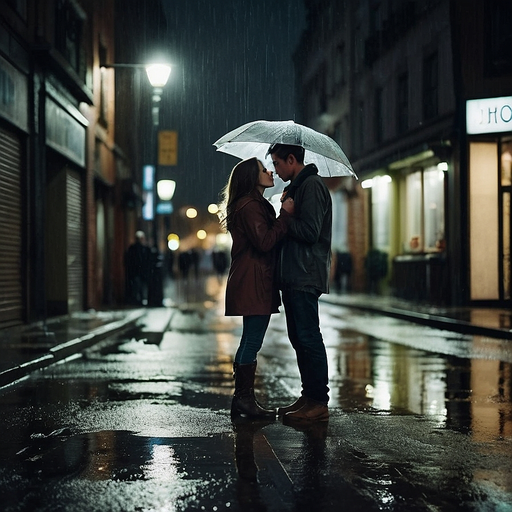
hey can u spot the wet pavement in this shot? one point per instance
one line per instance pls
(421, 418)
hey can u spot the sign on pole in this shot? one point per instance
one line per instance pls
(168, 147)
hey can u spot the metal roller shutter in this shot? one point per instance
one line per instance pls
(11, 292)
(75, 242)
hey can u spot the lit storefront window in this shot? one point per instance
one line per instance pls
(424, 211)
(433, 192)
(381, 204)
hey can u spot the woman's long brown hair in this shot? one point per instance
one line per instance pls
(242, 181)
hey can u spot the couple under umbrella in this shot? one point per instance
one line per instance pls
(290, 253)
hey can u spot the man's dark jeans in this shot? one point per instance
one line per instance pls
(301, 309)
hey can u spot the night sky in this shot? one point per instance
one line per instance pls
(232, 63)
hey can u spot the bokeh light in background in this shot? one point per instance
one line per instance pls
(191, 213)
(213, 209)
(173, 241)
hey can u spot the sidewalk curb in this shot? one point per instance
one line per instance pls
(440, 322)
(69, 348)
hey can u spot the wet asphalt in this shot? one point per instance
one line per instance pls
(421, 419)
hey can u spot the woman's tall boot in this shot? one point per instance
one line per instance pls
(244, 403)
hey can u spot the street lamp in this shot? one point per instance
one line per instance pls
(158, 74)
(165, 189)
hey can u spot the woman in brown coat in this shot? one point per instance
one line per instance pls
(251, 291)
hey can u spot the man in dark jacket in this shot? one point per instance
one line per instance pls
(303, 275)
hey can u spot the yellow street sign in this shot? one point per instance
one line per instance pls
(168, 147)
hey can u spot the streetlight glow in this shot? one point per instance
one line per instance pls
(165, 189)
(158, 74)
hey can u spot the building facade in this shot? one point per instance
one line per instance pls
(67, 197)
(47, 91)
(393, 82)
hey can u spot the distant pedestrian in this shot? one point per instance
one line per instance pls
(170, 264)
(195, 260)
(137, 264)
(303, 275)
(220, 262)
(184, 263)
(251, 291)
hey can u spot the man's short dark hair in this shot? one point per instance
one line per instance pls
(283, 150)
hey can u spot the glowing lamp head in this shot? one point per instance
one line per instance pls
(158, 74)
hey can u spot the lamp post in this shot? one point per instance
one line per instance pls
(158, 74)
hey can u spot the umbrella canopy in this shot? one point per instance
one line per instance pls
(254, 139)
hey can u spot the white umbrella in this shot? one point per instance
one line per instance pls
(254, 139)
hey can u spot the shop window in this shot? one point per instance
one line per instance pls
(339, 241)
(506, 163)
(381, 205)
(433, 209)
(424, 211)
(413, 212)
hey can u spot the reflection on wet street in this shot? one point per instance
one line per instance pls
(421, 419)
(473, 395)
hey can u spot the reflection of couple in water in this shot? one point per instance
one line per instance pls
(255, 483)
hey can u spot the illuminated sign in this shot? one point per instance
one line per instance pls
(148, 182)
(168, 147)
(148, 177)
(489, 115)
(164, 207)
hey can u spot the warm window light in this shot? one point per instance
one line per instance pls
(201, 234)
(165, 189)
(191, 213)
(213, 209)
(158, 74)
(442, 166)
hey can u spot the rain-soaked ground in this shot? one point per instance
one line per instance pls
(421, 419)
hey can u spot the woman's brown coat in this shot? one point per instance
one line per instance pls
(251, 287)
